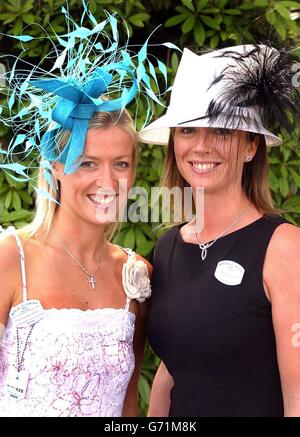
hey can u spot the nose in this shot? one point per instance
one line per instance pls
(202, 141)
(105, 177)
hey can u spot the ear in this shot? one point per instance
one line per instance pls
(252, 146)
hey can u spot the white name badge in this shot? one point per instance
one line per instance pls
(16, 384)
(229, 272)
(27, 313)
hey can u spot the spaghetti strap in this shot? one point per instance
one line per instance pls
(12, 230)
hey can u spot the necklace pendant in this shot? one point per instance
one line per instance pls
(203, 253)
(92, 282)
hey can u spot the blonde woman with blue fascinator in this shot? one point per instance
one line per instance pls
(225, 307)
(72, 304)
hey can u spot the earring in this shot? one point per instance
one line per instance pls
(248, 158)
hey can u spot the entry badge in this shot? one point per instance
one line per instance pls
(27, 313)
(16, 384)
(229, 272)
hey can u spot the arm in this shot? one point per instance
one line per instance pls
(160, 394)
(130, 408)
(9, 271)
(282, 280)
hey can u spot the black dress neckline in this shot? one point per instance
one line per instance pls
(230, 234)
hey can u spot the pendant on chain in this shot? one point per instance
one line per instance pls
(92, 282)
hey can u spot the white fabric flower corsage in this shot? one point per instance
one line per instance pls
(135, 279)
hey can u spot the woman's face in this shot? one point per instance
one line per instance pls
(211, 158)
(98, 189)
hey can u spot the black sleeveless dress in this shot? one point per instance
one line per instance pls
(215, 338)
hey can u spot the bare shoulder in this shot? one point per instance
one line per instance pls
(285, 241)
(9, 253)
(282, 263)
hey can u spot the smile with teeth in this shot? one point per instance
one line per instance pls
(204, 166)
(101, 200)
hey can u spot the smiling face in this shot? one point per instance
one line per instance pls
(212, 158)
(101, 182)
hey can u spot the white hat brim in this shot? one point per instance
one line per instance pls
(158, 132)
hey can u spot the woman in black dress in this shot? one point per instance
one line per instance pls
(225, 310)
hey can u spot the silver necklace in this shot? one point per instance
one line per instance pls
(92, 280)
(204, 246)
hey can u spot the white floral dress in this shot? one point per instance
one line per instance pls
(79, 362)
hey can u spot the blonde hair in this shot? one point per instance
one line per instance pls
(254, 179)
(45, 207)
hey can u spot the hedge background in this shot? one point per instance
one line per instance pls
(192, 23)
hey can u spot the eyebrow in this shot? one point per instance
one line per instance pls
(96, 157)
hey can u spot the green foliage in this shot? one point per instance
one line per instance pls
(211, 22)
(193, 23)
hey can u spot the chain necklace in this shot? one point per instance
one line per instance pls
(204, 246)
(92, 280)
(20, 359)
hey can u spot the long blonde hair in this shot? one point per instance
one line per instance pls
(45, 207)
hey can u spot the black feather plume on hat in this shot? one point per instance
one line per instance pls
(261, 77)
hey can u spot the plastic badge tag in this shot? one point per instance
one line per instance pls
(229, 272)
(27, 313)
(16, 384)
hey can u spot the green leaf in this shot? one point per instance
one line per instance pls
(145, 248)
(232, 12)
(271, 17)
(16, 201)
(189, 4)
(284, 187)
(296, 177)
(292, 202)
(214, 41)
(210, 22)
(140, 238)
(139, 19)
(247, 6)
(8, 199)
(188, 24)
(20, 224)
(144, 389)
(173, 21)
(13, 5)
(28, 18)
(7, 18)
(174, 61)
(17, 215)
(26, 198)
(129, 240)
(281, 30)
(28, 5)
(199, 33)
(283, 11)
(210, 11)
(261, 3)
(288, 4)
(273, 180)
(201, 4)
(222, 3)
